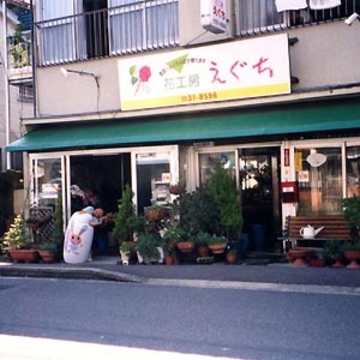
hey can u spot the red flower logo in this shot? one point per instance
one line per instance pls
(144, 73)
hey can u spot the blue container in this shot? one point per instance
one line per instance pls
(101, 242)
(258, 236)
(244, 244)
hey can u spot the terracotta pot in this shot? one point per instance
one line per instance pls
(26, 256)
(218, 248)
(317, 262)
(47, 257)
(337, 262)
(203, 251)
(186, 246)
(298, 256)
(352, 256)
(231, 257)
(169, 260)
(155, 214)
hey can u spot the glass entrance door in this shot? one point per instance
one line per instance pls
(259, 177)
(45, 186)
(154, 169)
(47, 177)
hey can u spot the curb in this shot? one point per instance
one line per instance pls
(87, 273)
(241, 285)
(90, 273)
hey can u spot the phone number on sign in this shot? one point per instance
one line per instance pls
(199, 97)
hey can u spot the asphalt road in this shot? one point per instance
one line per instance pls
(151, 321)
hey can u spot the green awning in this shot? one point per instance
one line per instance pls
(271, 120)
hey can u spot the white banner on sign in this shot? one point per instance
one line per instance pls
(283, 5)
(324, 4)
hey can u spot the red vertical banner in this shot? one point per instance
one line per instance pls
(286, 157)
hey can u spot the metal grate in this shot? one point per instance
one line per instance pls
(45, 231)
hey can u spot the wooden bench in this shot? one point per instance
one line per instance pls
(336, 227)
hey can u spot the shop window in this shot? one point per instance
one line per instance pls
(207, 164)
(319, 174)
(353, 171)
(47, 181)
(153, 179)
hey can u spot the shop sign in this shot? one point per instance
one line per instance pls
(152, 158)
(213, 15)
(234, 70)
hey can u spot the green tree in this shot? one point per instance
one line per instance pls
(125, 219)
(227, 199)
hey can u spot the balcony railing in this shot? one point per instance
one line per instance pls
(260, 17)
(19, 52)
(128, 29)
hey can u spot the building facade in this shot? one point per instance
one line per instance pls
(152, 93)
(16, 96)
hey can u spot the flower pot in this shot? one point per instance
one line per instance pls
(26, 256)
(231, 257)
(317, 262)
(353, 256)
(155, 214)
(47, 257)
(217, 248)
(298, 256)
(203, 251)
(186, 246)
(169, 260)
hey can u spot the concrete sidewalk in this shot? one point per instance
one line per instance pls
(279, 277)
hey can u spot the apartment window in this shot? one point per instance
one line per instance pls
(138, 25)
(26, 93)
(261, 16)
(83, 29)
(56, 31)
(258, 16)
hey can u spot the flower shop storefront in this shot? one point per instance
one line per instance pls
(97, 178)
(93, 162)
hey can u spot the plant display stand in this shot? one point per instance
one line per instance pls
(205, 260)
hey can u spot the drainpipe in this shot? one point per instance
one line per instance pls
(33, 58)
(7, 90)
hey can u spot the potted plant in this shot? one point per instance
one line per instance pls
(197, 212)
(48, 252)
(202, 244)
(125, 249)
(351, 251)
(217, 244)
(18, 53)
(169, 253)
(318, 259)
(177, 189)
(231, 256)
(16, 242)
(149, 248)
(155, 212)
(125, 221)
(333, 251)
(173, 234)
(227, 201)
